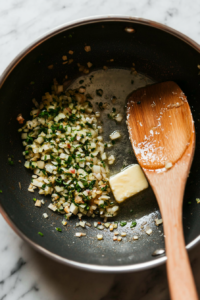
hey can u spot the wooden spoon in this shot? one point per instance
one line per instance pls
(162, 134)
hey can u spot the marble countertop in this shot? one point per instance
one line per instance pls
(24, 273)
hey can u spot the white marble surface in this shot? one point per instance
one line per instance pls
(25, 274)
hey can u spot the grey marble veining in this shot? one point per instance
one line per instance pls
(25, 274)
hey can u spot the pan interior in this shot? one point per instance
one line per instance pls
(157, 55)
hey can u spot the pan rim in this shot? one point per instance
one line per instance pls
(4, 76)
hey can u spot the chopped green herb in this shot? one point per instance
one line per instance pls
(123, 223)
(103, 163)
(91, 184)
(1, 191)
(102, 205)
(59, 170)
(58, 160)
(59, 229)
(44, 114)
(89, 125)
(69, 160)
(72, 138)
(29, 140)
(34, 199)
(104, 188)
(59, 181)
(133, 224)
(40, 233)
(44, 171)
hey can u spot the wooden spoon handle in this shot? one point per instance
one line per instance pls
(170, 191)
(180, 277)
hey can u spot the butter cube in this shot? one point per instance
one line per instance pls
(128, 182)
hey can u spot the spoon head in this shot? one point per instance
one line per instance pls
(160, 124)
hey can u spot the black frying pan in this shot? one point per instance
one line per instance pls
(161, 54)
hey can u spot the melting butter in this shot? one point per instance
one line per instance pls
(128, 182)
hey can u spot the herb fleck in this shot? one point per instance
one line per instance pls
(10, 162)
(133, 224)
(123, 223)
(59, 229)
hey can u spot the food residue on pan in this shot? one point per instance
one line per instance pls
(20, 119)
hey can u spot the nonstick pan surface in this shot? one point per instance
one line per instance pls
(161, 54)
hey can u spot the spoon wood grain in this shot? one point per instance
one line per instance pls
(162, 134)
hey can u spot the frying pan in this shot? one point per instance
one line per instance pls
(160, 53)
